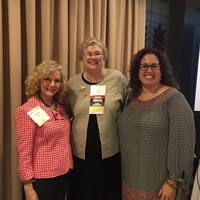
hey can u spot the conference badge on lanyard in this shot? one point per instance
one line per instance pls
(97, 99)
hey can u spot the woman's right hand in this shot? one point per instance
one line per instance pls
(30, 192)
(167, 192)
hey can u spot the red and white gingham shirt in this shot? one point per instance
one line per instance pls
(43, 151)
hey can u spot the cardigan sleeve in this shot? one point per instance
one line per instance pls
(181, 140)
(25, 131)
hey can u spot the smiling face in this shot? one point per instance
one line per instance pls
(150, 77)
(92, 62)
(50, 85)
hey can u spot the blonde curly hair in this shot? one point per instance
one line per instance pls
(40, 72)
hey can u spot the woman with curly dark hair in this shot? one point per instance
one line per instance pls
(167, 77)
(157, 132)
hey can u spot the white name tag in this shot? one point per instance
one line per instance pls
(97, 99)
(38, 115)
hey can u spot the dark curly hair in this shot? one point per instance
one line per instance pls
(165, 67)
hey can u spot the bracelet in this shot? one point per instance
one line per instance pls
(28, 182)
(171, 184)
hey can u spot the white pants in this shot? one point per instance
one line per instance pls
(196, 185)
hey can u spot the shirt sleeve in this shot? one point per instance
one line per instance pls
(25, 132)
(181, 140)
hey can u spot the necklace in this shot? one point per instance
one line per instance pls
(52, 107)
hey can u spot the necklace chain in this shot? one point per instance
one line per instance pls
(52, 107)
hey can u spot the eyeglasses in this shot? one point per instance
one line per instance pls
(89, 54)
(153, 66)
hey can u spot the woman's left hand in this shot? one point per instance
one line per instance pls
(167, 193)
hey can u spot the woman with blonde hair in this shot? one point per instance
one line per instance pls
(95, 98)
(42, 135)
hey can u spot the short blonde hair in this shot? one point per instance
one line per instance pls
(92, 41)
(40, 72)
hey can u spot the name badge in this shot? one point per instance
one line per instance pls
(38, 115)
(97, 99)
